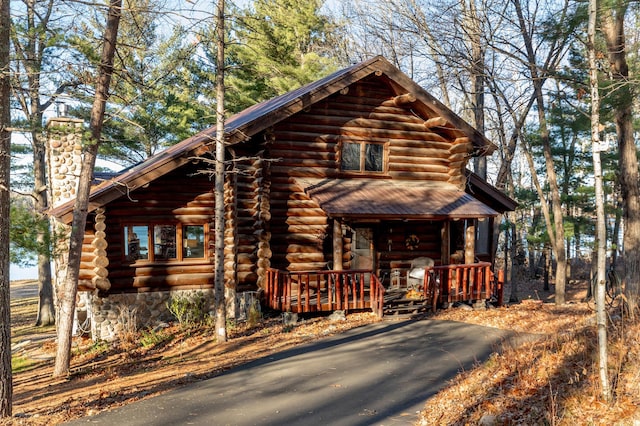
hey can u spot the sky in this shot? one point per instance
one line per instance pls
(18, 273)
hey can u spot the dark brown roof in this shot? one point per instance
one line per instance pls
(489, 194)
(392, 199)
(255, 119)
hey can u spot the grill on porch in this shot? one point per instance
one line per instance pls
(325, 291)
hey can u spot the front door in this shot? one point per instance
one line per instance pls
(364, 249)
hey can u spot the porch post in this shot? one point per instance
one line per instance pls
(445, 246)
(337, 245)
(470, 243)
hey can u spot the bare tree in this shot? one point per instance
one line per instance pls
(220, 305)
(601, 232)
(90, 152)
(6, 383)
(555, 225)
(33, 38)
(613, 16)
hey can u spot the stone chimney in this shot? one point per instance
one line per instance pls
(64, 158)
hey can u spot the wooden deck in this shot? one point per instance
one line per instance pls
(349, 290)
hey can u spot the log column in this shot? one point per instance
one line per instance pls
(231, 242)
(262, 219)
(337, 245)
(445, 250)
(470, 243)
(100, 260)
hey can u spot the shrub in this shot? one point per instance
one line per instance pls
(189, 311)
(128, 325)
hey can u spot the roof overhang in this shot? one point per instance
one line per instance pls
(489, 194)
(246, 124)
(387, 199)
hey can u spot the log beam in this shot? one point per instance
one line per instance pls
(404, 99)
(436, 122)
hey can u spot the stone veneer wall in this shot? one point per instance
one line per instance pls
(64, 157)
(108, 313)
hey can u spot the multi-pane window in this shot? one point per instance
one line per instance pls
(164, 242)
(193, 236)
(159, 242)
(363, 157)
(136, 239)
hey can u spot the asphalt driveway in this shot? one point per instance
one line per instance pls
(379, 374)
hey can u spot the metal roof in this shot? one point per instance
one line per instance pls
(252, 120)
(375, 198)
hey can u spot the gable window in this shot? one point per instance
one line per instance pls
(363, 157)
(160, 242)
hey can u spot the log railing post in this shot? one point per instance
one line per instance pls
(500, 285)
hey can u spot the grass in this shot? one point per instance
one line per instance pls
(20, 363)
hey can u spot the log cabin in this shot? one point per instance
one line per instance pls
(337, 195)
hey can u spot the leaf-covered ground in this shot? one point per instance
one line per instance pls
(550, 381)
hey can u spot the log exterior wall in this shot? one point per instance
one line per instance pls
(271, 221)
(308, 146)
(182, 196)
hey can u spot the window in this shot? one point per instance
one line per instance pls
(363, 157)
(193, 241)
(136, 242)
(163, 240)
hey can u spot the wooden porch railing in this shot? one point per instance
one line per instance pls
(325, 291)
(322, 291)
(447, 284)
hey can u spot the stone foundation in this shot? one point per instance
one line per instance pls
(108, 318)
(116, 314)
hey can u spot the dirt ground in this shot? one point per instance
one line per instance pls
(103, 377)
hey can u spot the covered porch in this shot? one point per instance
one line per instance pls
(387, 241)
(357, 290)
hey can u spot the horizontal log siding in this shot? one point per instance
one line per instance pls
(179, 196)
(429, 246)
(307, 145)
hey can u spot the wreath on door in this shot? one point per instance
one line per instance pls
(412, 242)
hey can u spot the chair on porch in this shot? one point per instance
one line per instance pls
(415, 277)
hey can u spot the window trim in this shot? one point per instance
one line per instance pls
(180, 258)
(362, 171)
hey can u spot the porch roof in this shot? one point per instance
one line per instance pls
(388, 199)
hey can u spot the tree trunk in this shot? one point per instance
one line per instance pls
(46, 312)
(6, 379)
(613, 29)
(90, 151)
(220, 305)
(555, 229)
(516, 271)
(601, 231)
(30, 52)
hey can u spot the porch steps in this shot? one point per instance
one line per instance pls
(398, 306)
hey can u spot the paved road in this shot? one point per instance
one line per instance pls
(380, 374)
